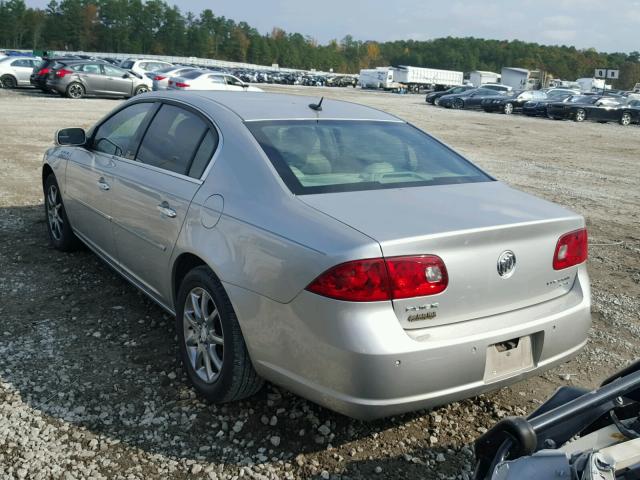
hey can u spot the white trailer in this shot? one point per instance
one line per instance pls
(592, 84)
(480, 77)
(379, 78)
(516, 78)
(426, 77)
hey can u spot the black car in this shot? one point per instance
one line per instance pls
(469, 99)
(593, 107)
(538, 108)
(433, 98)
(40, 73)
(512, 101)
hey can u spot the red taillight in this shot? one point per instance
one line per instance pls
(157, 78)
(63, 72)
(417, 276)
(44, 71)
(378, 279)
(572, 249)
(181, 85)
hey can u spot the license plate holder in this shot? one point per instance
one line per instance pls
(504, 359)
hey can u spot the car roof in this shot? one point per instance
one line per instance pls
(276, 106)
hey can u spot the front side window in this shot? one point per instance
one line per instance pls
(337, 155)
(119, 134)
(172, 140)
(234, 81)
(113, 71)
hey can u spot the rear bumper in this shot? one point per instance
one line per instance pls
(357, 360)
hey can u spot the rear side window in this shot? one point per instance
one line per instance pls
(337, 156)
(127, 65)
(204, 154)
(119, 134)
(172, 140)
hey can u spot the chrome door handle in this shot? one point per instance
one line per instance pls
(166, 210)
(103, 185)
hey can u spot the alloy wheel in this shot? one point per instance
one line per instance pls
(581, 115)
(508, 108)
(142, 89)
(203, 335)
(54, 205)
(625, 119)
(75, 90)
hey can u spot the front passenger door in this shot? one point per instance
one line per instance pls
(155, 191)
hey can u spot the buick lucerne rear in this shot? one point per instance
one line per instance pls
(334, 250)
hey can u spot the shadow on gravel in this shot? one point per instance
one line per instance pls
(82, 346)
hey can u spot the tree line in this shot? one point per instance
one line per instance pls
(154, 27)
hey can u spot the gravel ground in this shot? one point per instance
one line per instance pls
(89, 382)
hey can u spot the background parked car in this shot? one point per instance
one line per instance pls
(497, 86)
(143, 66)
(588, 107)
(538, 108)
(433, 98)
(512, 101)
(160, 78)
(15, 71)
(469, 99)
(80, 78)
(207, 80)
(40, 72)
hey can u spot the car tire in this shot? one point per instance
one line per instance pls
(60, 232)
(140, 90)
(436, 102)
(458, 104)
(625, 119)
(212, 348)
(580, 115)
(75, 90)
(508, 108)
(9, 81)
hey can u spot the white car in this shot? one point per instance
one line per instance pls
(142, 66)
(16, 71)
(207, 80)
(498, 87)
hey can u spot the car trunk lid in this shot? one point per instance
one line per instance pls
(469, 226)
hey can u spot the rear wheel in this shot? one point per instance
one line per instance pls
(581, 115)
(508, 108)
(9, 81)
(625, 119)
(212, 348)
(58, 226)
(75, 90)
(141, 89)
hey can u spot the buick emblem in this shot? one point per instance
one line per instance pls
(506, 264)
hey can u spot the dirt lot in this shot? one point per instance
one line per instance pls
(89, 383)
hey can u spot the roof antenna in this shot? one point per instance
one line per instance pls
(316, 106)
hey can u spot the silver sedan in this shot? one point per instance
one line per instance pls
(324, 246)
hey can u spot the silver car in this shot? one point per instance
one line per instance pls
(327, 247)
(16, 71)
(161, 77)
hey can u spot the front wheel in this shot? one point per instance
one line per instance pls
(581, 115)
(458, 104)
(436, 102)
(508, 108)
(212, 348)
(58, 226)
(625, 119)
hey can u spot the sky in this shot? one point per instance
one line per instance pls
(606, 25)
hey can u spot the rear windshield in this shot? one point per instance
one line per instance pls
(341, 156)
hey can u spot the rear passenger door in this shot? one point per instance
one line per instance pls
(117, 81)
(23, 68)
(155, 190)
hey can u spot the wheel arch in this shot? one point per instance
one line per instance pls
(183, 264)
(46, 171)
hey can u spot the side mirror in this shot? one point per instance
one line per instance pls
(71, 136)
